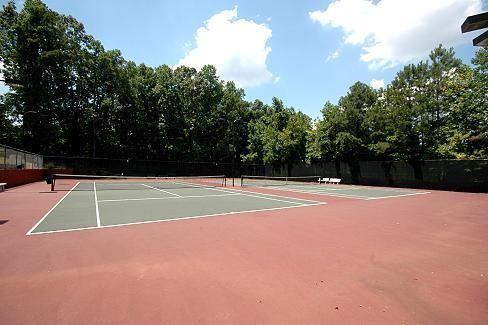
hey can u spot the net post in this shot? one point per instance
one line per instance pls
(53, 180)
(242, 180)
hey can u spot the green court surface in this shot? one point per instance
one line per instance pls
(91, 205)
(347, 191)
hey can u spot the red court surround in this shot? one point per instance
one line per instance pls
(16, 177)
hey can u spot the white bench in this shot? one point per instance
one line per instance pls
(327, 180)
(2, 186)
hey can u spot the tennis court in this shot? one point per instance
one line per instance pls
(112, 201)
(265, 252)
(98, 202)
(309, 185)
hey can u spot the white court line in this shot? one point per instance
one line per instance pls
(205, 187)
(399, 195)
(345, 187)
(115, 184)
(158, 189)
(258, 195)
(96, 204)
(384, 188)
(351, 196)
(310, 187)
(177, 219)
(45, 216)
(320, 193)
(169, 198)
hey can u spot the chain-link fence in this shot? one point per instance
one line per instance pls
(12, 158)
(458, 175)
(135, 167)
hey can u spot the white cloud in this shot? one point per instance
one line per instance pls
(377, 84)
(392, 32)
(333, 55)
(1, 70)
(236, 47)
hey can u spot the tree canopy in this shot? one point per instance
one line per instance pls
(77, 99)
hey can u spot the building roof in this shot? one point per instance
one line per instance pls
(476, 22)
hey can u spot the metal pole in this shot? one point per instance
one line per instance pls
(233, 170)
(233, 150)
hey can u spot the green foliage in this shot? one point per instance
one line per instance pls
(467, 124)
(76, 98)
(343, 133)
(10, 126)
(433, 109)
(407, 124)
(279, 136)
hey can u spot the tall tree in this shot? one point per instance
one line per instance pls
(78, 99)
(467, 125)
(343, 132)
(442, 66)
(279, 138)
(407, 102)
(230, 120)
(40, 66)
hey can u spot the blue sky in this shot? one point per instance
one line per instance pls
(304, 52)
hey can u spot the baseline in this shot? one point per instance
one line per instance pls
(45, 216)
(177, 219)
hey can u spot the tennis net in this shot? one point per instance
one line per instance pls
(88, 182)
(247, 180)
